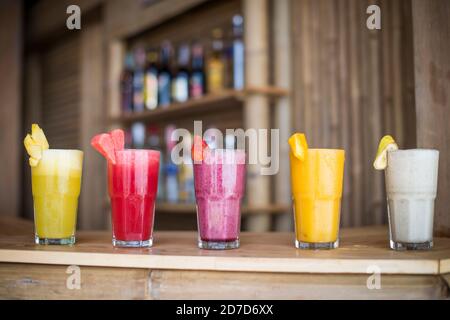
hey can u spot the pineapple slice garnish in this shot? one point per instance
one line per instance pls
(38, 135)
(35, 144)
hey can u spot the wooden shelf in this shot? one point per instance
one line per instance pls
(207, 103)
(187, 208)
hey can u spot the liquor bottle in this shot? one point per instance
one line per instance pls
(138, 135)
(180, 83)
(216, 66)
(238, 53)
(171, 182)
(154, 143)
(230, 141)
(186, 175)
(151, 81)
(171, 169)
(138, 80)
(128, 138)
(197, 82)
(126, 84)
(165, 75)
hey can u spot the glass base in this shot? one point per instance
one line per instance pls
(410, 246)
(132, 244)
(316, 245)
(49, 241)
(218, 245)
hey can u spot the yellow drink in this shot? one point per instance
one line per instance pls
(317, 190)
(56, 183)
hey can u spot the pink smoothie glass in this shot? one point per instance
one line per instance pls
(219, 188)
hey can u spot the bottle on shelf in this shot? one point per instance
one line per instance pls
(126, 84)
(138, 79)
(170, 169)
(165, 75)
(171, 173)
(230, 141)
(180, 83)
(197, 81)
(216, 63)
(228, 57)
(238, 54)
(154, 143)
(151, 81)
(186, 175)
(128, 138)
(138, 135)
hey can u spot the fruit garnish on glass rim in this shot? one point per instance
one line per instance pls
(199, 147)
(387, 143)
(118, 138)
(104, 144)
(299, 146)
(35, 144)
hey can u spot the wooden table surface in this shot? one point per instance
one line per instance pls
(262, 256)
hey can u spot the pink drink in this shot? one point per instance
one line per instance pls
(132, 184)
(219, 188)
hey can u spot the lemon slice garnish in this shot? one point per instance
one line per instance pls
(298, 145)
(387, 143)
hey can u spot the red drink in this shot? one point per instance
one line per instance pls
(132, 184)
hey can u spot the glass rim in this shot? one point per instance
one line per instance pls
(325, 150)
(228, 150)
(138, 151)
(427, 150)
(62, 150)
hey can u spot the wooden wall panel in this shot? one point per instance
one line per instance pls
(125, 18)
(92, 213)
(61, 93)
(47, 18)
(432, 78)
(351, 86)
(10, 107)
(31, 114)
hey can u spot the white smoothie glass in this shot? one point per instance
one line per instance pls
(411, 185)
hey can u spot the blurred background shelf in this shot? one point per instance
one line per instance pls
(217, 101)
(198, 106)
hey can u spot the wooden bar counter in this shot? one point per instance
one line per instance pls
(267, 266)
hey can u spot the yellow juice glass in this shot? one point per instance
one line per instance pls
(317, 191)
(56, 183)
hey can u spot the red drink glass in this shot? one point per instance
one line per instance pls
(219, 188)
(132, 186)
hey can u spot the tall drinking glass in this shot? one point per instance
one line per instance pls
(411, 185)
(317, 191)
(56, 183)
(219, 188)
(132, 184)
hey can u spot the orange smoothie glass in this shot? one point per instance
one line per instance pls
(317, 190)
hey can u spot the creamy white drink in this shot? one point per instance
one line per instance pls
(411, 184)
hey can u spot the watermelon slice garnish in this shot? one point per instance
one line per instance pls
(199, 147)
(104, 144)
(118, 138)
